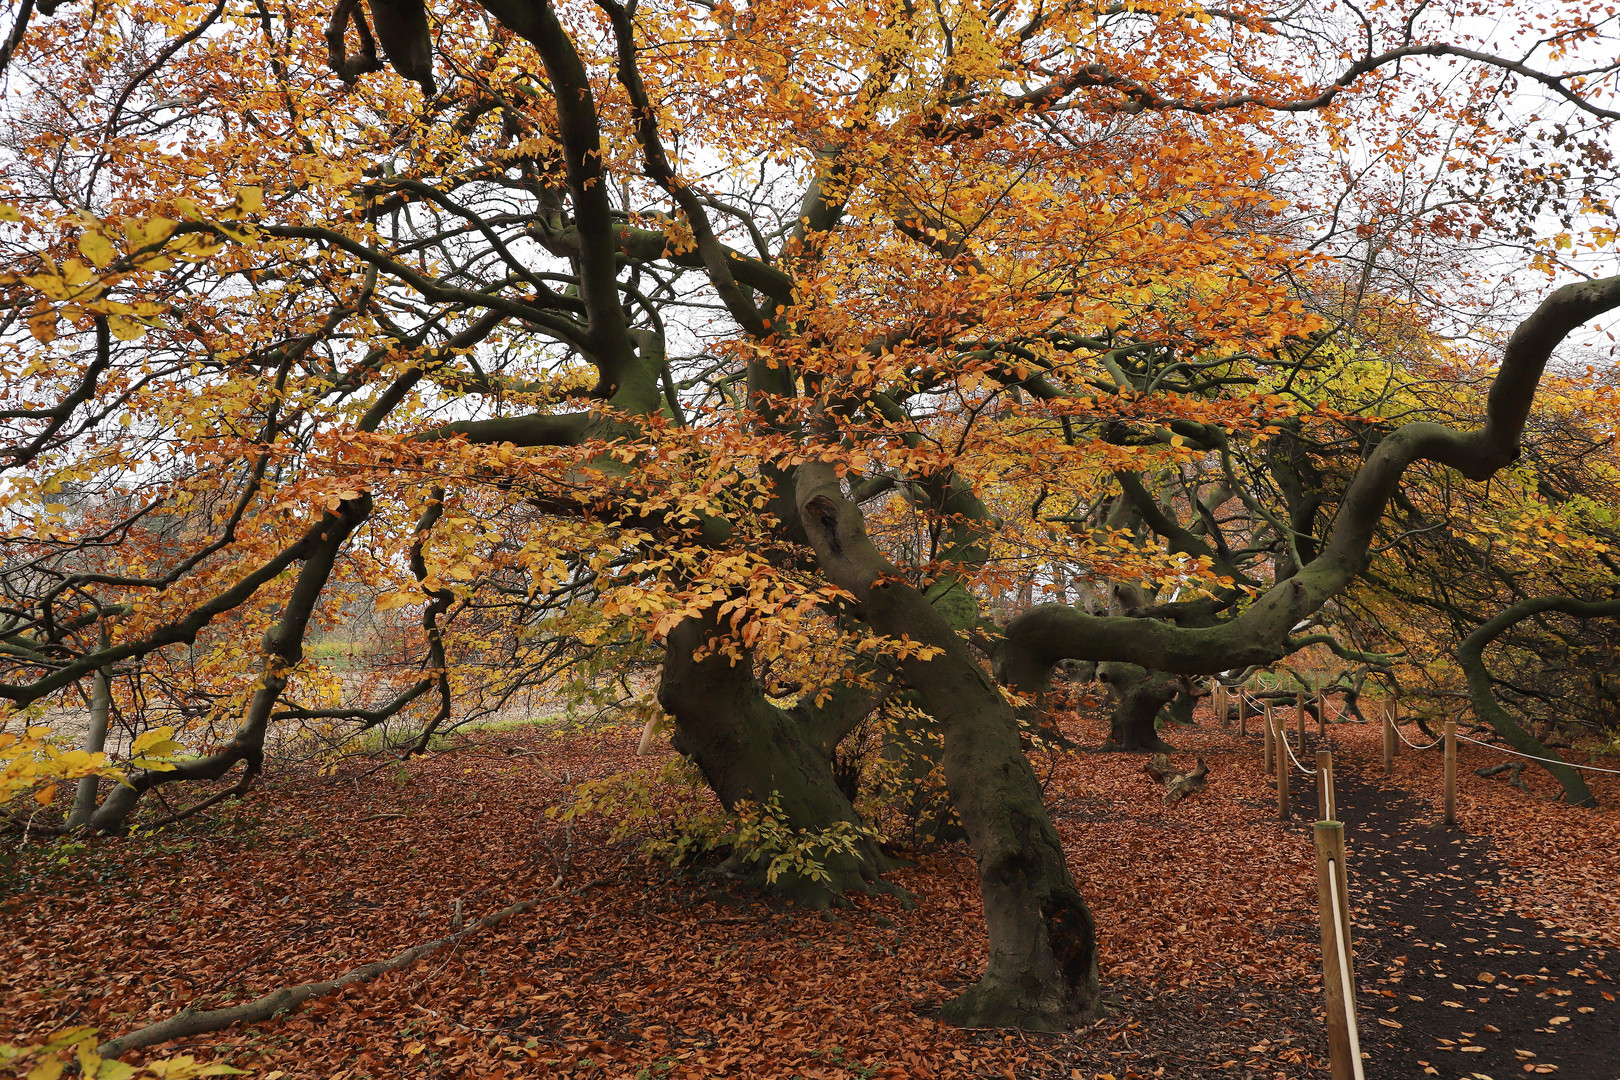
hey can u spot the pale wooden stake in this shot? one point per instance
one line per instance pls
(1395, 718)
(1271, 751)
(1243, 712)
(1284, 768)
(1389, 743)
(1220, 706)
(1451, 772)
(1325, 808)
(1338, 972)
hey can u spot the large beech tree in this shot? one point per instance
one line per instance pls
(775, 338)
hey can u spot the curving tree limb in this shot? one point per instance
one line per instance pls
(189, 1022)
(1262, 633)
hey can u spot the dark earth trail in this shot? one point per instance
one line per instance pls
(1450, 983)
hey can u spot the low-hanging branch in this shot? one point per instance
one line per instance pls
(190, 1022)
(1471, 656)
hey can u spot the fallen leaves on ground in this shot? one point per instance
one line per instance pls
(1206, 912)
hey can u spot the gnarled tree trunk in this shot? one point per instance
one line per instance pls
(750, 751)
(1041, 971)
(1138, 695)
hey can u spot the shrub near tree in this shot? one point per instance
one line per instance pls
(762, 344)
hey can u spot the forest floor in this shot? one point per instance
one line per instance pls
(1486, 951)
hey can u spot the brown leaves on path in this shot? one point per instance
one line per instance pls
(1205, 911)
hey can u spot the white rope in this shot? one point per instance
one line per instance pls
(1396, 725)
(1344, 972)
(1532, 757)
(1282, 734)
(1324, 780)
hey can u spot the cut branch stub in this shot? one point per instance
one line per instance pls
(1178, 785)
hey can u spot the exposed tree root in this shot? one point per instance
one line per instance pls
(1512, 768)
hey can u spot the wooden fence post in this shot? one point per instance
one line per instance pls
(1326, 810)
(1395, 719)
(1220, 706)
(1389, 743)
(1338, 971)
(1284, 768)
(1271, 750)
(1451, 772)
(1299, 718)
(1243, 712)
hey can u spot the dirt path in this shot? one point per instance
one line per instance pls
(1452, 985)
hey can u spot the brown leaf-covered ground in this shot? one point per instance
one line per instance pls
(1206, 912)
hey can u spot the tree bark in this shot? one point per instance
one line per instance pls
(1041, 971)
(95, 741)
(1139, 695)
(1264, 632)
(1471, 655)
(750, 751)
(283, 650)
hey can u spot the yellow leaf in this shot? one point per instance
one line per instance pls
(45, 795)
(124, 328)
(42, 324)
(51, 285)
(154, 741)
(75, 272)
(9, 213)
(49, 1069)
(152, 231)
(250, 199)
(97, 248)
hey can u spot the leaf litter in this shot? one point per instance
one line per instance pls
(1205, 910)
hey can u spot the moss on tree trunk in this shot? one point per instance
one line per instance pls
(750, 751)
(1138, 696)
(1041, 965)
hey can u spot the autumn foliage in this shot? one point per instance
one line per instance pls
(800, 381)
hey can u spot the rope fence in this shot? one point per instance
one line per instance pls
(1532, 757)
(1345, 1057)
(1324, 703)
(1346, 989)
(1291, 757)
(1415, 746)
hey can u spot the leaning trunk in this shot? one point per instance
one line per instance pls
(1041, 970)
(283, 650)
(95, 741)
